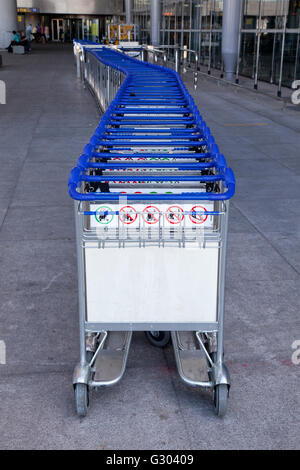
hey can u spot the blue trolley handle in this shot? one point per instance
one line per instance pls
(76, 177)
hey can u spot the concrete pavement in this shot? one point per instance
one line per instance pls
(43, 128)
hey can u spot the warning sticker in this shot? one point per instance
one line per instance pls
(174, 215)
(127, 215)
(151, 215)
(198, 215)
(103, 215)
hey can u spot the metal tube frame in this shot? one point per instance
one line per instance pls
(239, 45)
(297, 52)
(257, 47)
(178, 60)
(281, 58)
(95, 73)
(210, 44)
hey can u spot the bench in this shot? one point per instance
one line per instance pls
(18, 49)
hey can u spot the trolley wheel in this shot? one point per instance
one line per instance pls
(159, 339)
(81, 399)
(221, 393)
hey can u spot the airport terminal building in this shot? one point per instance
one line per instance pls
(269, 30)
(267, 43)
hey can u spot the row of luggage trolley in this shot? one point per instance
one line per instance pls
(151, 193)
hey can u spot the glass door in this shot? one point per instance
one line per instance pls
(91, 29)
(58, 29)
(76, 29)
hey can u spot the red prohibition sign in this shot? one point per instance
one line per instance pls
(127, 215)
(174, 215)
(198, 218)
(151, 215)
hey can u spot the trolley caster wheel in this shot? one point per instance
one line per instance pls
(159, 339)
(81, 399)
(221, 393)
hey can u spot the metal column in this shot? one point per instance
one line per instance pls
(128, 11)
(8, 21)
(230, 35)
(155, 22)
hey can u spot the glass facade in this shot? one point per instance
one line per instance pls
(269, 34)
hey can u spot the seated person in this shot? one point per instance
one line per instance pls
(15, 41)
(24, 42)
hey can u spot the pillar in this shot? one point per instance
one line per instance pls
(155, 22)
(128, 11)
(8, 21)
(232, 10)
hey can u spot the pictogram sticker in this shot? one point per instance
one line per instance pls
(174, 215)
(102, 215)
(197, 218)
(127, 215)
(151, 215)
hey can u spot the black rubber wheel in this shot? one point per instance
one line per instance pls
(221, 393)
(159, 339)
(81, 399)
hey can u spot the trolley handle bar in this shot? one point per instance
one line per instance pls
(228, 179)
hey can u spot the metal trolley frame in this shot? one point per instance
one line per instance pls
(154, 153)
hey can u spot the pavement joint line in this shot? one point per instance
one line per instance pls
(185, 424)
(260, 113)
(21, 169)
(64, 367)
(246, 124)
(235, 88)
(245, 107)
(21, 240)
(279, 160)
(268, 241)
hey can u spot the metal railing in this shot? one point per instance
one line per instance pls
(103, 81)
(145, 49)
(182, 56)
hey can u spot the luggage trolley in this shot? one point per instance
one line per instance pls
(151, 195)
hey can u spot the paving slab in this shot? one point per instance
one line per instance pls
(150, 408)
